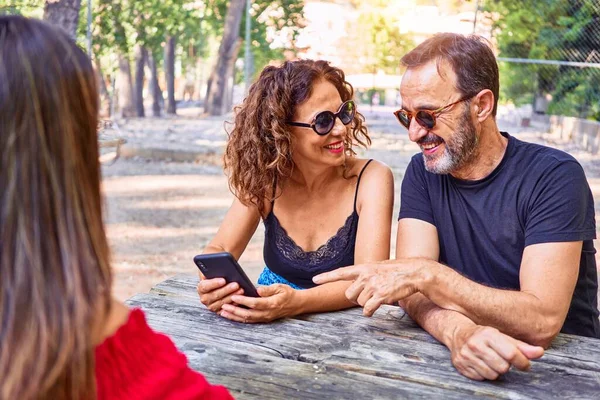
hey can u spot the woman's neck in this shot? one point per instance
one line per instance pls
(106, 325)
(316, 178)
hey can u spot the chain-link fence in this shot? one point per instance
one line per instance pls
(549, 53)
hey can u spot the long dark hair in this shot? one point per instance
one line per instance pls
(55, 277)
(259, 149)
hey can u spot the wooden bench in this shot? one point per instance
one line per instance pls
(344, 355)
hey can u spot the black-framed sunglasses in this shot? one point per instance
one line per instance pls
(425, 118)
(324, 121)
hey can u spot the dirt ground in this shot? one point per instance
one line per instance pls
(159, 214)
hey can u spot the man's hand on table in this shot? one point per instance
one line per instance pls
(481, 352)
(478, 352)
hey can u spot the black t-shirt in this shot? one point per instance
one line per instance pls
(537, 194)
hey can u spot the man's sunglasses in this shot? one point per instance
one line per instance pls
(425, 118)
(324, 121)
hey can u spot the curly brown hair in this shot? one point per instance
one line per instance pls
(258, 152)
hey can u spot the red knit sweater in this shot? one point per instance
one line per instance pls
(138, 363)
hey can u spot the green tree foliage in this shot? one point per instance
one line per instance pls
(119, 27)
(27, 8)
(560, 30)
(375, 39)
(275, 26)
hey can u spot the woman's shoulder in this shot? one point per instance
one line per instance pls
(131, 362)
(376, 184)
(371, 169)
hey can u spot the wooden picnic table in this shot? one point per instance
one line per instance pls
(344, 355)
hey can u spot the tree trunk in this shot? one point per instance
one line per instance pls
(227, 51)
(170, 74)
(231, 78)
(105, 100)
(154, 86)
(208, 92)
(125, 88)
(63, 13)
(200, 78)
(141, 55)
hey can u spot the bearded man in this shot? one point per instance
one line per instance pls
(495, 252)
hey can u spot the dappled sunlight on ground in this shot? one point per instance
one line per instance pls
(156, 223)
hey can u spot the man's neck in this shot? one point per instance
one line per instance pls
(490, 151)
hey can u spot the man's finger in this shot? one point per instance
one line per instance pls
(372, 305)
(354, 291)
(494, 360)
(471, 373)
(340, 274)
(507, 348)
(479, 365)
(531, 352)
(363, 297)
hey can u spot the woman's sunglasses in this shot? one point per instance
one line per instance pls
(425, 118)
(324, 121)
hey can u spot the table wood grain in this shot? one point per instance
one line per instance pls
(344, 355)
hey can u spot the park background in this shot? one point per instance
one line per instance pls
(170, 72)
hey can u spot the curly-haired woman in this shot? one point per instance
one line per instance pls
(291, 164)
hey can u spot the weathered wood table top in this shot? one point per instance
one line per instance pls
(343, 355)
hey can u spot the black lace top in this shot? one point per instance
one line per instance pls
(285, 258)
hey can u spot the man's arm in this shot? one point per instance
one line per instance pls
(478, 352)
(534, 314)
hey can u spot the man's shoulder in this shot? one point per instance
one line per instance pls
(539, 165)
(541, 155)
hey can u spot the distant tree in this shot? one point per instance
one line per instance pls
(374, 40)
(64, 13)
(561, 30)
(230, 45)
(270, 19)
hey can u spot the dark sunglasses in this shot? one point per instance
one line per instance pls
(324, 121)
(425, 118)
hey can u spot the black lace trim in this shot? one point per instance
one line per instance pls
(333, 250)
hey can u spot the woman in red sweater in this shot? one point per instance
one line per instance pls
(62, 336)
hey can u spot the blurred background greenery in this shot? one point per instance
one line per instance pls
(154, 54)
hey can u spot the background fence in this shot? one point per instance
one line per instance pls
(549, 53)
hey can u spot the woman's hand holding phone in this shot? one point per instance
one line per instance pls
(275, 302)
(214, 293)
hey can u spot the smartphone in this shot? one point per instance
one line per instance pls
(223, 265)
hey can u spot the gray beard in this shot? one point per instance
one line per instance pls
(458, 151)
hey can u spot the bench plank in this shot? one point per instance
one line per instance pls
(391, 320)
(395, 350)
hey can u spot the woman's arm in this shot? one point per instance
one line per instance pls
(235, 231)
(233, 236)
(374, 204)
